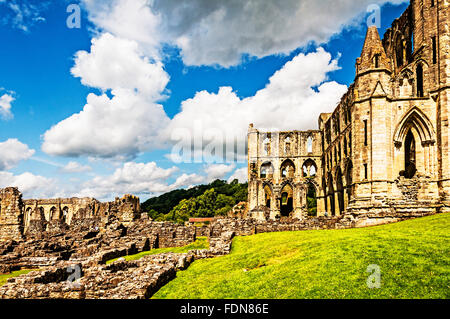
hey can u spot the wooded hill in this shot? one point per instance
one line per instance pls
(216, 198)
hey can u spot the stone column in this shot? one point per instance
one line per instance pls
(11, 214)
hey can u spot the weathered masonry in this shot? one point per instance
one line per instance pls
(19, 218)
(385, 149)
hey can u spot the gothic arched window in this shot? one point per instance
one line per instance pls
(410, 155)
(419, 79)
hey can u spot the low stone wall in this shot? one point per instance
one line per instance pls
(245, 227)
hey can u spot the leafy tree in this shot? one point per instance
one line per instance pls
(217, 198)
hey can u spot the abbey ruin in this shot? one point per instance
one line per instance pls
(384, 151)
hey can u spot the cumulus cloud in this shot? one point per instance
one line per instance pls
(187, 181)
(148, 179)
(32, 186)
(217, 171)
(135, 178)
(123, 125)
(75, 167)
(219, 32)
(12, 152)
(118, 63)
(5, 106)
(292, 100)
(240, 174)
(128, 19)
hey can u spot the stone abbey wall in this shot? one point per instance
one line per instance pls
(385, 148)
(35, 217)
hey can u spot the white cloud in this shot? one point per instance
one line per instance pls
(75, 167)
(240, 174)
(147, 179)
(187, 181)
(128, 19)
(219, 32)
(5, 106)
(31, 186)
(124, 125)
(121, 126)
(288, 102)
(134, 178)
(217, 171)
(118, 63)
(12, 152)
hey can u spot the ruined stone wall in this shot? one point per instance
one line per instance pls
(282, 162)
(38, 218)
(57, 215)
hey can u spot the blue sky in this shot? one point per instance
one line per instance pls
(160, 62)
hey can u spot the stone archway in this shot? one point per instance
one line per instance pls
(414, 140)
(287, 169)
(266, 170)
(311, 199)
(268, 195)
(309, 168)
(287, 200)
(410, 155)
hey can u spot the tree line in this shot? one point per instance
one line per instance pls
(214, 199)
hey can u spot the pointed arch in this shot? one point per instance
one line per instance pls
(309, 144)
(309, 168)
(419, 80)
(287, 199)
(268, 194)
(311, 199)
(287, 169)
(65, 213)
(399, 49)
(417, 119)
(410, 155)
(288, 142)
(266, 170)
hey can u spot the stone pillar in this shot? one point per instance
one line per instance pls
(11, 214)
(321, 206)
(336, 204)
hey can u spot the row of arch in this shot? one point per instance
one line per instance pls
(286, 203)
(38, 213)
(287, 145)
(287, 169)
(338, 195)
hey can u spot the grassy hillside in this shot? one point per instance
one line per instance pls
(413, 257)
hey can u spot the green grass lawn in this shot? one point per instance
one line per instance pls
(4, 277)
(413, 257)
(200, 243)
